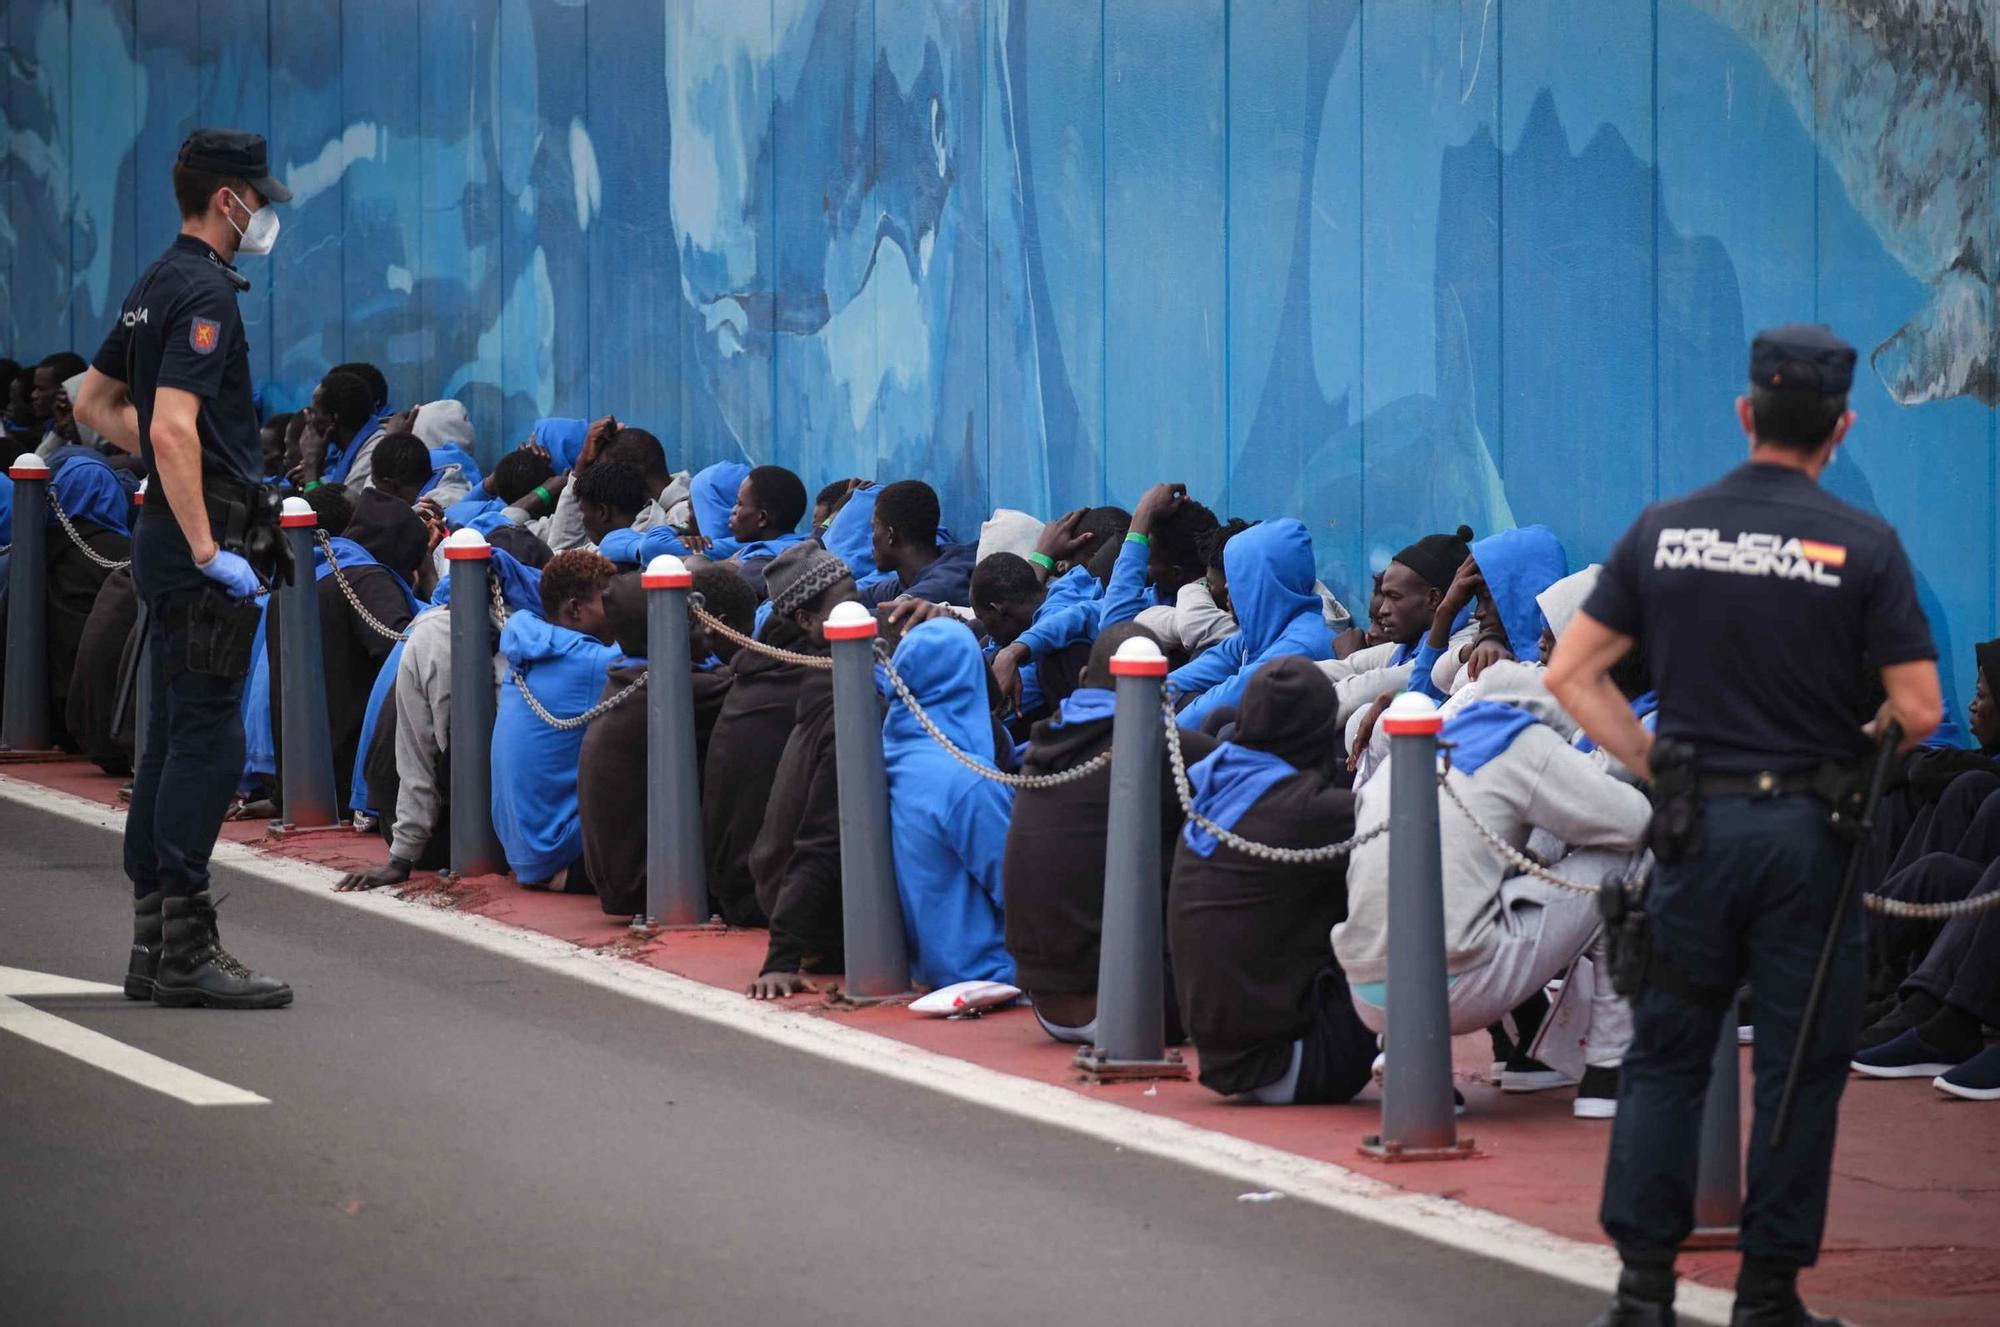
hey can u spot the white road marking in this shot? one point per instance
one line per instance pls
(102, 1052)
(1442, 1221)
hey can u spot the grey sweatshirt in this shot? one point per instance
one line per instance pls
(1539, 781)
(423, 727)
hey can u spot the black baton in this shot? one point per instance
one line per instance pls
(1878, 778)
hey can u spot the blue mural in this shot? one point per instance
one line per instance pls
(1382, 265)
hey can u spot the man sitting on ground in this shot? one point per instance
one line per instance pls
(905, 544)
(1506, 934)
(1010, 599)
(560, 656)
(1266, 1005)
(413, 792)
(1270, 589)
(611, 768)
(948, 824)
(609, 496)
(770, 503)
(1054, 868)
(743, 754)
(341, 407)
(795, 860)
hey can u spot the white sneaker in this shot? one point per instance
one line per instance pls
(1597, 1094)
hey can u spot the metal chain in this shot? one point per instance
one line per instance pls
(62, 518)
(499, 599)
(610, 702)
(1071, 775)
(1249, 847)
(1926, 912)
(727, 632)
(368, 619)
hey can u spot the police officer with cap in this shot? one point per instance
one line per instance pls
(172, 384)
(1768, 610)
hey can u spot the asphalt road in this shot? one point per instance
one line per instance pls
(457, 1137)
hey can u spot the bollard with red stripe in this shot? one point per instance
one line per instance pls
(307, 774)
(1419, 1117)
(878, 957)
(1131, 974)
(475, 849)
(24, 717)
(676, 878)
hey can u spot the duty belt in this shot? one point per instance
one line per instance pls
(1763, 784)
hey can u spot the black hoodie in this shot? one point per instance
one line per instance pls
(796, 858)
(743, 752)
(1249, 936)
(1054, 869)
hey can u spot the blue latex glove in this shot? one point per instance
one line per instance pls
(231, 572)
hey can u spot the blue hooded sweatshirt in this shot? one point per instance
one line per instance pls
(534, 765)
(260, 738)
(712, 495)
(1227, 783)
(562, 439)
(949, 826)
(1517, 565)
(89, 492)
(339, 459)
(849, 536)
(1278, 613)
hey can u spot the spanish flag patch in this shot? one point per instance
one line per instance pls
(1827, 555)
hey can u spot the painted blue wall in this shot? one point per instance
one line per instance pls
(1386, 266)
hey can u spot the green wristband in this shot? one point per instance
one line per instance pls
(548, 499)
(1134, 537)
(312, 484)
(1042, 560)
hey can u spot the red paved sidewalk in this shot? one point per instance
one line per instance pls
(1914, 1235)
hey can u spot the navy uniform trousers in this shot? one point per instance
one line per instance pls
(1753, 904)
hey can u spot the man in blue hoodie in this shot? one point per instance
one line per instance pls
(1270, 571)
(904, 543)
(770, 503)
(561, 656)
(948, 824)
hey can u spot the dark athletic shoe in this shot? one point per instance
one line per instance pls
(195, 970)
(146, 943)
(1905, 1056)
(1978, 1079)
(1524, 1073)
(1597, 1094)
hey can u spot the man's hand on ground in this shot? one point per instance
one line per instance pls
(395, 873)
(780, 985)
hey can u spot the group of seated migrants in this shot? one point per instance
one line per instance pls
(1277, 969)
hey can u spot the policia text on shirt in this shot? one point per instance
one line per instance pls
(172, 384)
(1772, 617)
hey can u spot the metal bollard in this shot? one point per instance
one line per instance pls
(878, 956)
(24, 719)
(676, 879)
(1418, 1119)
(475, 849)
(1718, 1192)
(307, 774)
(1131, 971)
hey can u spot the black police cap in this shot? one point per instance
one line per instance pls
(1804, 357)
(232, 152)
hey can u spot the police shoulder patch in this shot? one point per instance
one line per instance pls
(203, 334)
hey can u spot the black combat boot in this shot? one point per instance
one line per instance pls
(1767, 1295)
(1645, 1297)
(146, 941)
(196, 970)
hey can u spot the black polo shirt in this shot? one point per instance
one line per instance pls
(179, 327)
(1765, 606)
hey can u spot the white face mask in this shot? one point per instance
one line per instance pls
(261, 234)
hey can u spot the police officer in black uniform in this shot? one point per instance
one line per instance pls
(172, 383)
(1768, 609)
